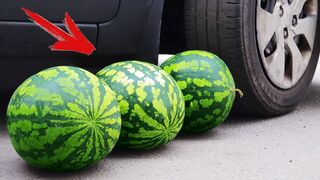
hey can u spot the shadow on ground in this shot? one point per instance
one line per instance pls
(197, 136)
(45, 174)
(312, 98)
(118, 153)
(311, 101)
(2, 124)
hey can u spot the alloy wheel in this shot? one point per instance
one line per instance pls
(286, 31)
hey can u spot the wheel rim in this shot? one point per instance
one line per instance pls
(286, 31)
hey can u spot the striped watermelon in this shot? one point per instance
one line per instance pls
(207, 85)
(151, 103)
(63, 118)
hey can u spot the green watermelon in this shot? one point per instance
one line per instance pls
(151, 104)
(63, 119)
(208, 88)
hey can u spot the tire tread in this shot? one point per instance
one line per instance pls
(225, 38)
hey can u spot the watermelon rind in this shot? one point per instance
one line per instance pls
(208, 88)
(151, 104)
(63, 119)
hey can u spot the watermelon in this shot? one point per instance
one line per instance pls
(208, 88)
(63, 119)
(151, 104)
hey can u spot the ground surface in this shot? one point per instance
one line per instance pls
(286, 147)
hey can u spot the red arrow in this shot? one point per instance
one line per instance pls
(74, 41)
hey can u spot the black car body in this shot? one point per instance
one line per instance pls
(116, 28)
(119, 30)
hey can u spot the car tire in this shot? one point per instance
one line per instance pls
(229, 28)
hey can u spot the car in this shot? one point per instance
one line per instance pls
(271, 46)
(119, 30)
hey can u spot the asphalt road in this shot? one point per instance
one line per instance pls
(286, 147)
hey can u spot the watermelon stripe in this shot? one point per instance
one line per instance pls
(207, 85)
(63, 118)
(151, 103)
